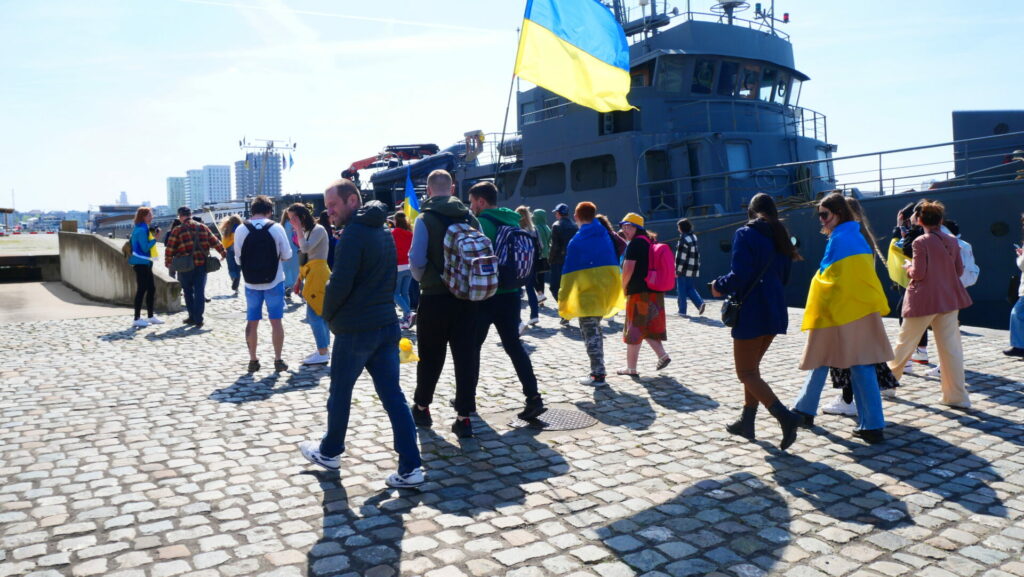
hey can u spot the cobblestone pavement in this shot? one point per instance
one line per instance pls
(151, 453)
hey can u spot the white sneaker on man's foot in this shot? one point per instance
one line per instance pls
(920, 356)
(316, 359)
(888, 393)
(155, 321)
(311, 451)
(533, 321)
(840, 407)
(933, 372)
(522, 328)
(140, 323)
(412, 479)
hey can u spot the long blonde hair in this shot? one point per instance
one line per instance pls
(229, 224)
(525, 218)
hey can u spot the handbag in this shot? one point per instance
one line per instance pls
(1013, 291)
(212, 264)
(731, 305)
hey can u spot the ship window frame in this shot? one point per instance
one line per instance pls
(523, 112)
(694, 82)
(720, 69)
(738, 172)
(681, 66)
(608, 179)
(748, 75)
(766, 72)
(784, 78)
(532, 172)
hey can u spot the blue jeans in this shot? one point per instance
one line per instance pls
(377, 352)
(864, 380)
(321, 332)
(234, 271)
(402, 291)
(686, 288)
(1017, 324)
(193, 287)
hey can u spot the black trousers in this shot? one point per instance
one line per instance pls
(502, 311)
(444, 321)
(145, 286)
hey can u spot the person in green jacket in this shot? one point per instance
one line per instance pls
(540, 224)
(502, 309)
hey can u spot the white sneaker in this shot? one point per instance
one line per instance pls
(594, 381)
(909, 367)
(541, 299)
(311, 451)
(140, 323)
(920, 356)
(155, 321)
(413, 478)
(316, 359)
(933, 372)
(533, 321)
(840, 407)
(523, 328)
(888, 393)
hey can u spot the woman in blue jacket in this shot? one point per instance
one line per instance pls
(762, 256)
(143, 243)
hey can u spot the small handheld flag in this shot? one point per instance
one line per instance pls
(412, 202)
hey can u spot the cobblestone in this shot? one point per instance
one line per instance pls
(109, 466)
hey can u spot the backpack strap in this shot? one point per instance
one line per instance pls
(445, 221)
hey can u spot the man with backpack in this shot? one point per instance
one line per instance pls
(514, 249)
(191, 239)
(445, 318)
(260, 248)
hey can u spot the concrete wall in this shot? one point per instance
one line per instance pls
(95, 267)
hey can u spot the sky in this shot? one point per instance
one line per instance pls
(106, 96)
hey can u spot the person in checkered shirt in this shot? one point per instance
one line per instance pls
(192, 238)
(687, 268)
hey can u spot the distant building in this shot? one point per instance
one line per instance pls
(248, 172)
(123, 198)
(195, 184)
(175, 191)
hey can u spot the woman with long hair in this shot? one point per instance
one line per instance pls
(762, 257)
(1017, 314)
(843, 319)
(645, 308)
(402, 234)
(292, 265)
(526, 223)
(312, 278)
(143, 245)
(618, 243)
(934, 298)
(227, 235)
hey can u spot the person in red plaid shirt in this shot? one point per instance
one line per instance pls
(192, 238)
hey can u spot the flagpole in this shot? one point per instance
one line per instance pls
(511, 86)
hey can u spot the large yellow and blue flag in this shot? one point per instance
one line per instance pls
(576, 49)
(411, 207)
(846, 287)
(591, 278)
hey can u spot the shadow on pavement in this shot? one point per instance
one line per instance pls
(1010, 431)
(736, 525)
(669, 393)
(619, 409)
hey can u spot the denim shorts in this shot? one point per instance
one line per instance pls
(254, 299)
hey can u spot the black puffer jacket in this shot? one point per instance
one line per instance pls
(360, 294)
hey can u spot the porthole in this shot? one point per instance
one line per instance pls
(1000, 229)
(1001, 128)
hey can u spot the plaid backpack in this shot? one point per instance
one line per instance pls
(470, 268)
(515, 249)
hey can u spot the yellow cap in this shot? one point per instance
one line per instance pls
(633, 219)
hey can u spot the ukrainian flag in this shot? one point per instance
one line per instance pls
(576, 49)
(411, 207)
(591, 278)
(894, 264)
(845, 288)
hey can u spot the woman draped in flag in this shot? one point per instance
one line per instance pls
(591, 286)
(843, 320)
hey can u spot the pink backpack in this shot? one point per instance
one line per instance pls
(661, 267)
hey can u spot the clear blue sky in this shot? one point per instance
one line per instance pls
(109, 95)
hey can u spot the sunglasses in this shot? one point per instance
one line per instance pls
(824, 215)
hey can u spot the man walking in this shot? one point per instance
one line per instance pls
(192, 239)
(260, 248)
(443, 319)
(360, 308)
(561, 233)
(502, 309)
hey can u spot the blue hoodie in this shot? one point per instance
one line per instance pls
(141, 245)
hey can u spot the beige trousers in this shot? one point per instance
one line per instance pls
(951, 353)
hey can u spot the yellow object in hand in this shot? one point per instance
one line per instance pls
(405, 352)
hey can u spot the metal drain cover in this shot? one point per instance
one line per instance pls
(557, 420)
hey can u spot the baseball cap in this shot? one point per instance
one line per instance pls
(562, 208)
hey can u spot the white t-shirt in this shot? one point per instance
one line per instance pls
(284, 250)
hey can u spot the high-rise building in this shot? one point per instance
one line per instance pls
(211, 184)
(249, 171)
(175, 191)
(123, 198)
(195, 185)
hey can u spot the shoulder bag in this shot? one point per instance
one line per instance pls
(183, 262)
(732, 304)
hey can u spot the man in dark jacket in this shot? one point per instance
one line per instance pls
(443, 319)
(358, 305)
(502, 309)
(561, 233)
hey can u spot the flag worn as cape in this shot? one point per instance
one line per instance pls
(591, 278)
(845, 288)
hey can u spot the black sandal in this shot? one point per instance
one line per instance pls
(254, 366)
(663, 362)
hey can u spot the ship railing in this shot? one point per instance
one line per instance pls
(759, 25)
(798, 121)
(894, 171)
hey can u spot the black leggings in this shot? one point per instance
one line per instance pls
(144, 286)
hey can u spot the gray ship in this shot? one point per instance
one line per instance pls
(718, 120)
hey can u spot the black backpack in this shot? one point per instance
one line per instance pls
(259, 255)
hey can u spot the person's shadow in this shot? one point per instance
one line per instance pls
(987, 423)
(619, 408)
(669, 393)
(366, 535)
(736, 525)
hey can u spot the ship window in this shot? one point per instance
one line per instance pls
(767, 84)
(594, 172)
(781, 88)
(748, 81)
(669, 77)
(528, 112)
(738, 154)
(554, 107)
(727, 78)
(703, 74)
(544, 180)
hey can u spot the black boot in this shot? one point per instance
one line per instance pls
(788, 421)
(745, 426)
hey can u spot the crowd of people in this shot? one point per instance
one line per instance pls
(459, 269)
